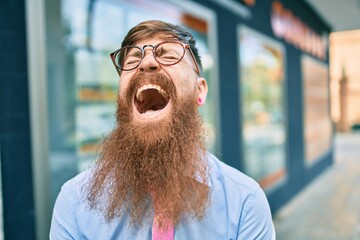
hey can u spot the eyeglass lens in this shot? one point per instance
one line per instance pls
(167, 53)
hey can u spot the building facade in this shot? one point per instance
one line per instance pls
(268, 109)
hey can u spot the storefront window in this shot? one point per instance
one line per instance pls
(316, 99)
(262, 80)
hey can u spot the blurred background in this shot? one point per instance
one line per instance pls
(283, 104)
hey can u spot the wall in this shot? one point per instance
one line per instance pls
(15, 124)
(345, 61)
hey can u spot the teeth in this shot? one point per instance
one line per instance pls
(149, 112)
(146, 87)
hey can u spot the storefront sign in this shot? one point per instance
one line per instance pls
(289, 27)
(248, 2)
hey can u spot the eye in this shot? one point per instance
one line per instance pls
(159, 51)
(131, 61)
(167, 54)
(133, 56)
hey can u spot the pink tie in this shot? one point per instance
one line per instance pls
(165, 233)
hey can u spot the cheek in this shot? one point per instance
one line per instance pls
(123, 83)
(187, 92)
(183, 80)
(186, 86)
(121, 91)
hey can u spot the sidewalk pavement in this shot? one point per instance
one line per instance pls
(329, 208)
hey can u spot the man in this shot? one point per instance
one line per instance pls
(154, 178)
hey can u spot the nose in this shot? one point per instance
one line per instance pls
(148, 63)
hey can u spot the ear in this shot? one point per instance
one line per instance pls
(202, 91)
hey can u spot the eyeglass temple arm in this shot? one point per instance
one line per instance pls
(113, 61)
(193, 57)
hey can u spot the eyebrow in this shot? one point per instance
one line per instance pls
(134, 54)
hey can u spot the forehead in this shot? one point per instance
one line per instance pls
(155, 39)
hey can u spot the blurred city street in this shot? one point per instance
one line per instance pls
(329, 207)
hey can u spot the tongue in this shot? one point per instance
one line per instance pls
(152, 100)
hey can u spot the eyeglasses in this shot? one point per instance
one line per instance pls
(166, 53)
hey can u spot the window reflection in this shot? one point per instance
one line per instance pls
(263, 114)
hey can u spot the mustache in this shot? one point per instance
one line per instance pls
(142, 79)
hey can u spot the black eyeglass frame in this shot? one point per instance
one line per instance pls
(184, 45)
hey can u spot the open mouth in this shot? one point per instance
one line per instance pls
(150, 98)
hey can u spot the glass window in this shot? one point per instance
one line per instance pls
(317, 122)
(262, 80)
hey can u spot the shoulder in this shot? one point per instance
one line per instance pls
(239, 191)
(246, 196)
(76, 183)
(64, 223)
(72, 191)
(224, 173)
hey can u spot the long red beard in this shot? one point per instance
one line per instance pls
(166, 159)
